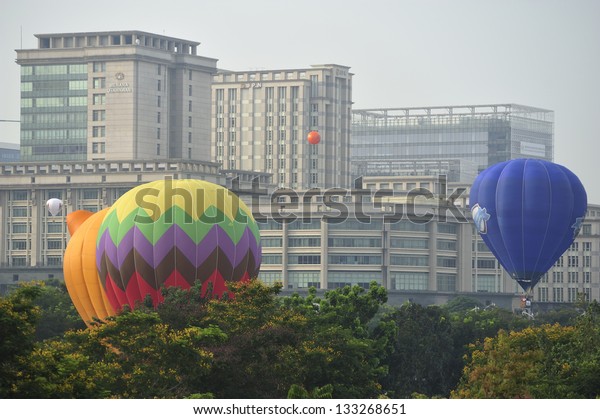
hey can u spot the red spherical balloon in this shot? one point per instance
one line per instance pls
(314, 137)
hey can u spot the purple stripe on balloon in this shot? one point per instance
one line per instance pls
(196, 254)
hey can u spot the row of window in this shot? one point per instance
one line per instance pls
(42, 70)
(558, 294)
(19, 261)
(55, 102)
(19, 244)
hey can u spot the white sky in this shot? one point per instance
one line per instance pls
(403, 53)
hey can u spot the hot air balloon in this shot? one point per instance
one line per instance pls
(54, 205)
(314, 137)
(79, 267)
(528, 212)
(174, 233)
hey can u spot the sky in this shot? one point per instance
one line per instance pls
(403, 53)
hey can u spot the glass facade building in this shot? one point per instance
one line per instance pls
(54, 112)
(483, 134)
(114, 96)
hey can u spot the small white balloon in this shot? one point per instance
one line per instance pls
(54, 205)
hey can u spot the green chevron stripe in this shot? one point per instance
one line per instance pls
(196, 230)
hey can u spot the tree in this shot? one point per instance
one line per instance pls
(420, 351)
(58, 314)
(18, 317)
(133, 355)
(548, 361)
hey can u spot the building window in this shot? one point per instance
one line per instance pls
(99, 99)
(19, 245)
(586, 229)
(99, 132)
(158, 133)
(90, 194)
(99, 67)
(304, 241)
(190, 90)
(158, 149)
(20, 211)
(558, 295)
(446, 282)
(158, 85)
(304, 259)
(19, 195)
(409, 280)
(190, 106)
(54, 244)
(99, 82)
(409, 260)
(19, 261)
(189, 122)
(271, 259)
(189, 74)
(573, 261)
(189, 137)
(99, 115)
(543, 294)
(158, 101)
(557, 277)
(271, 241)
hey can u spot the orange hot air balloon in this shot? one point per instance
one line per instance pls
(314, 137)
(79, 266)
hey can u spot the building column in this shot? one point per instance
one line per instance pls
(433, 255)
(324, 253)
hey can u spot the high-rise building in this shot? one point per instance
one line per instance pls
(126, 95)
(261, 120)
(482, 134)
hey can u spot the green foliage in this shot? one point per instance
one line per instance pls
(58, 314)
(547, 361)
(420, 356)
(133, 355)
(18, 317)
(346, 343)
(298, 392)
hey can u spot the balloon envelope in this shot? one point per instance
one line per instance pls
(54, 205)
(528, 212)
(174, 233)
(79, 267)
(314, 137)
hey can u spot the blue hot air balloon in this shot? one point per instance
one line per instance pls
(528, 212)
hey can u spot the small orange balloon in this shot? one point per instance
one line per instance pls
(314, 137)
(76, 218)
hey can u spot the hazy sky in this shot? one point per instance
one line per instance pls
(403, 53)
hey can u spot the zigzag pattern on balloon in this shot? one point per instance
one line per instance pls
(156, 277)
(194, 228)
(135, 252)
(153, 254)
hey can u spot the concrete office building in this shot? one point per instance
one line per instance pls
(261, 120)
(33, 241)
(127, 95)
(429, 261)
(482, 134)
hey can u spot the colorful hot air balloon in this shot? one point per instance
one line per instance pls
(174, 233)
(314, 137)
(54, 205)
(79, 267)
(528, 212)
